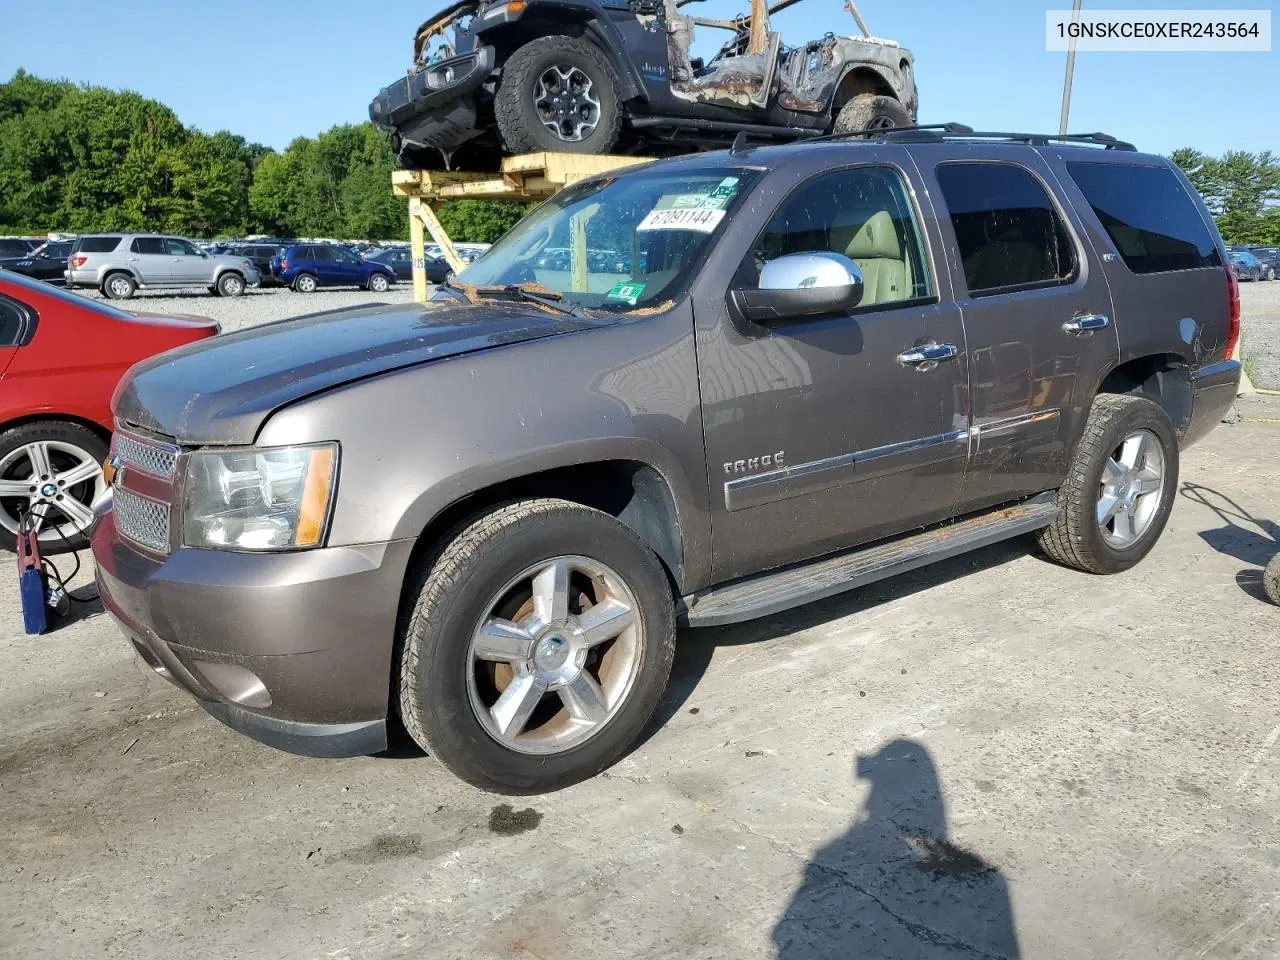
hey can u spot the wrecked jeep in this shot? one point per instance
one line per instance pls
(617, 76)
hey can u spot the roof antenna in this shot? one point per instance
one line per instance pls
(741, 146)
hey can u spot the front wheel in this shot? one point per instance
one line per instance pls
(538, 647)
(868, 111)
(378, 283)
(52, 471)
(230, 285)
(558, 93)
(1117, 498)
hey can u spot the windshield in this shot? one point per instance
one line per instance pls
(617, 243)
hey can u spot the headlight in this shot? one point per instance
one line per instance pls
(259, 499)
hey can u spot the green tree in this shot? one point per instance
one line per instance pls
(1242, 190)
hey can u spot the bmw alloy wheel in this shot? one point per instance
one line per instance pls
(56, 482)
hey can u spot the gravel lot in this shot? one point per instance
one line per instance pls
(1260, 332)
(1260, 306)
(257, 305)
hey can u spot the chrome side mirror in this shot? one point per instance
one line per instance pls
(801, 285)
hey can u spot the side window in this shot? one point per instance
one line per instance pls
(180, 248)
(13, 321)
(1009, 233)
(1148, 215)
(320, 254)
(148, 245)
(864, 214)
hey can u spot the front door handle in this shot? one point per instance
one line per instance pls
(1086, 324)
(927, 355)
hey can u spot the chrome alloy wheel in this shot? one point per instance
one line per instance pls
(118, 286)
(555, 655)
(1131, 487)
(565, 103)
(56, 481)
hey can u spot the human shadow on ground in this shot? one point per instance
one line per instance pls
(894, 886)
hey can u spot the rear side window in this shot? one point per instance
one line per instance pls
(14, 248)
(97, 244)
(1148, 215)
(153, 245)
(13, 322)
(320, 254)
(1010, 235)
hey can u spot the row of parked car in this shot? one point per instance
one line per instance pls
(118, 264)
(1255, 263)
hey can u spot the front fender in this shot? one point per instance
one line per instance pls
(416, 441)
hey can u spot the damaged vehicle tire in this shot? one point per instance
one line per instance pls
(537, 648)
(558, 93)
(869, 111)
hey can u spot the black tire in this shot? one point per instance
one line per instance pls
(305, 283)
(378, 283)
(1075, 538)
(118, 286)
(230, 284)
(452, 594)
(519, 120)
(869, 111)
(1271, 580)
(60, 432)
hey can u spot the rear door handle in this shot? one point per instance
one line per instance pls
(1086, 324)
(928, 354)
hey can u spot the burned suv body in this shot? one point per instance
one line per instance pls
(601, 76)
(758, 377)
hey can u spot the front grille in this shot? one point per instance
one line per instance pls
(141, 520)
(149, 457)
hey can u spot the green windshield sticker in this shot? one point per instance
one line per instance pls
(722, 194)
(689, 200)
(626, 292)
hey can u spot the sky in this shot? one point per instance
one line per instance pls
(272, 71)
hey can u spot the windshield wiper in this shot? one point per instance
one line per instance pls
(551, 299)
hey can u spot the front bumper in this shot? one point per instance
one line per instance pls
(292, 649)
(435, 106)
(1213, 390)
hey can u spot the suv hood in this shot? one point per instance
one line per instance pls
(222, 390)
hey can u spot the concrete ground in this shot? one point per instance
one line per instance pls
(991, 757)
(1260, 332)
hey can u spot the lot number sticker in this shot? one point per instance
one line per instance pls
(701, 219)
(626, 292)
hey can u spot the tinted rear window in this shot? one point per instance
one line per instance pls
(1009, 233)
(1148, 215)
(152, 245)
(97, 244)
(14, 248)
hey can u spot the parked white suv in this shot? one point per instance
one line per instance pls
(120, 263)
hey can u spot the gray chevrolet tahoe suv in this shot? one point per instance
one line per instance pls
(119, 263)
(809, 367)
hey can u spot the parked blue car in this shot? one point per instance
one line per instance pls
(307, 266)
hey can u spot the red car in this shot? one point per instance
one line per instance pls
(61, 356)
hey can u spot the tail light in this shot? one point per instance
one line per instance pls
(1233, 313)
(284, 264)
(79, 260)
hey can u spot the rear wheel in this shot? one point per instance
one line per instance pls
(305, 283)
(119, 286)
(1117, 498)
(230, 285)
(539, 645)
(558, 93)
(869, 111)
(53, 471)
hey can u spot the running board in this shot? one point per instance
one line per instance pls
(783, 589)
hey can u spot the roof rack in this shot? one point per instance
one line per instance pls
(939, 132)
